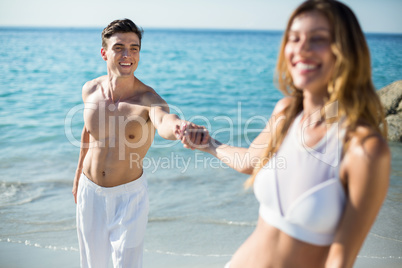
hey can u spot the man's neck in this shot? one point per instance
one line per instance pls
(120, 88)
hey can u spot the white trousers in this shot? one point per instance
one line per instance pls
(112, 222)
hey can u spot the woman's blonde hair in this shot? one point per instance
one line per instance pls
(350, 85)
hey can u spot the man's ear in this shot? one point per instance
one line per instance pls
(103, 53)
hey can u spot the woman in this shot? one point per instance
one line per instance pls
(317, 209)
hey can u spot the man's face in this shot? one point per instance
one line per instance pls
(122, 54)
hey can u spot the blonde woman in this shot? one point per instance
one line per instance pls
(329, 131)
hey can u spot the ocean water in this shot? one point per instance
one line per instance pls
(199, 209)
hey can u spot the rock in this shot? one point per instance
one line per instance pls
(394, 127)
(399, 110)
(391, 98)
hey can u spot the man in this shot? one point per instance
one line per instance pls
(120, 118)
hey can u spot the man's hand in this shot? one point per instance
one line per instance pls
(193, 136)
(75, 184)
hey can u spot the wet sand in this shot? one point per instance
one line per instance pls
(14, 255)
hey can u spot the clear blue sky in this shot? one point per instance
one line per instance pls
(374, 15)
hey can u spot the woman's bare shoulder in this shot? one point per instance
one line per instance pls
(282, 105)
(367, 159)
(367, 142)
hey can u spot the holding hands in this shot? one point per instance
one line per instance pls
(192, 136)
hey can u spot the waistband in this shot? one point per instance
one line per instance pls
(129, 187)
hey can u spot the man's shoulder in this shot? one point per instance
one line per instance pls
(92, 85)
(148, 95)
(143, 88)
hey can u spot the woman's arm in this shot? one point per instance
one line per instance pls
(366, 169)
(244, 160)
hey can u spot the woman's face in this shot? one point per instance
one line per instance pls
(308, 52)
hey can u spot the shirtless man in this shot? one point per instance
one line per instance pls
(120, 118)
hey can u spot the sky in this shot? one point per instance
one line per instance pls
(379, 16)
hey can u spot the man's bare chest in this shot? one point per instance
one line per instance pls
(105, 119)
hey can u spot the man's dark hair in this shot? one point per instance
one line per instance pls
(120, 26)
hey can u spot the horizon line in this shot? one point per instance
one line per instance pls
(160, 28)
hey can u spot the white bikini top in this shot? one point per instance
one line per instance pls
(299, 189)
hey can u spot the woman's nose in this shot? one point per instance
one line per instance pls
(303, 45)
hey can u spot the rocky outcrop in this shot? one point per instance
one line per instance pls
(391, 98)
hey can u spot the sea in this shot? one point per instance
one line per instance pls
(200, 211)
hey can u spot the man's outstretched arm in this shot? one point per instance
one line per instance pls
(168, 125)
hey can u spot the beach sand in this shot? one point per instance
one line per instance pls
(14, 255)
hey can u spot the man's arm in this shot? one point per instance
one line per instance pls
(83, 153)
(168, 125)
(87, 89)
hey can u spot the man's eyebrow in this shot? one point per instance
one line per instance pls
(120, 44)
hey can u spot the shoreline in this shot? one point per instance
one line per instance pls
(18, 255)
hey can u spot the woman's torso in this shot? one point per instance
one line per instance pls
(301, 202)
